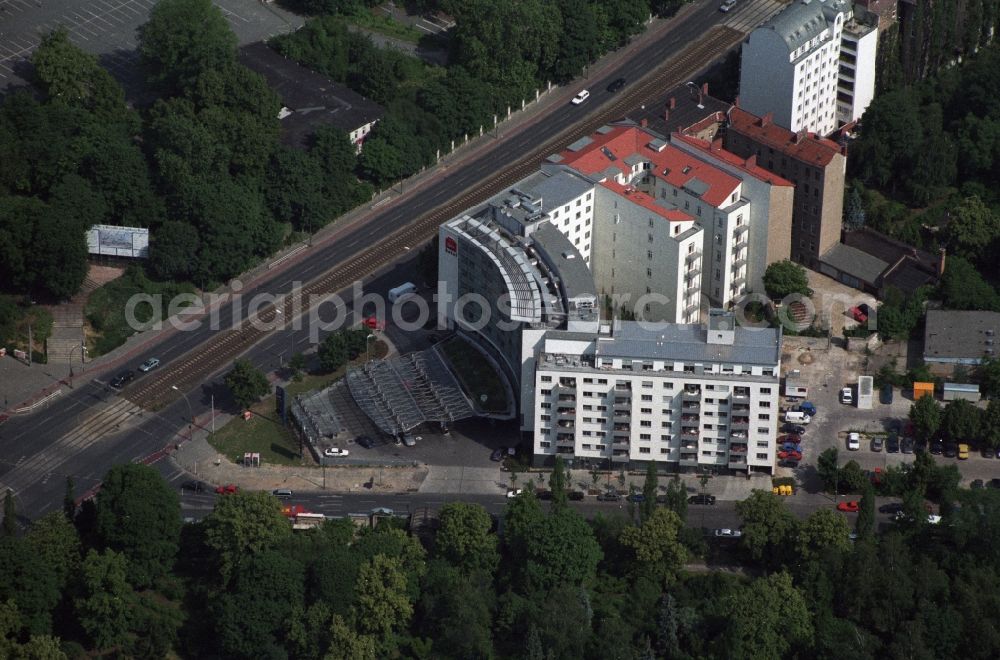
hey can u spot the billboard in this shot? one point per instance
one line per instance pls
(113, 241)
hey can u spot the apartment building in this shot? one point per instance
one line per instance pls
(803, 63)
(816, 166)
(682, 396)
(856, 82)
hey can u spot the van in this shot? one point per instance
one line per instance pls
(406, 289)
(282, 493)
(797, 417)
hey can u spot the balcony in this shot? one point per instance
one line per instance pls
(694, 307)
(565, 438)
(619, 457)
(692, 257)
(624, 428)
(691, 395)
(740, 407)
(623, 415)
(739, 263)
(738, 435)
(626, 387)
(738, 448)
(566, 412)
(567, 398)
(743, 425)
(737, 461)
(739, 397)
(689, 433)
(623, 402)
(692, 417)
(565, 424)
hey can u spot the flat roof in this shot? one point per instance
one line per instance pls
(854, 262)
(314, 99)
(572, 270)
(950, 334)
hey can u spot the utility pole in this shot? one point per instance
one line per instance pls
(30, 349)
(213, 413)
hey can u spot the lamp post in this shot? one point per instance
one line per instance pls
(83, 353)
(190, 410)
(368, 355)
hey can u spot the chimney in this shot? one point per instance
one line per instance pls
(644, 122)
(717, 144)
(736, 102)
(704, 89)
(672, 103)
(751, 161)
(941, 261)
(766, 119)
(666, 115)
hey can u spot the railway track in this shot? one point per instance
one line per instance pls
(224, 347)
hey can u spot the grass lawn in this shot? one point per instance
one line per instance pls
(476, 375)
(276, 444)
(377, 21)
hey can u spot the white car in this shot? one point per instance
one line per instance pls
(727, 5)
(728, 533)
(149, 365)
(853, 441)
(846, 396)
(581, 97)
(511, 494)
(335, 451)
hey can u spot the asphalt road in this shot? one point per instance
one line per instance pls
(38, 454)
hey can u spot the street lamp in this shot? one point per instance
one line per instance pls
(83, 354)
(368, 356)
(190, 410)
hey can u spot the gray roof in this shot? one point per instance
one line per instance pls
(684, 343)
(801, 21)
(854, 262)
(951, 334)
(566, 260)
(528, 201)
(314, 99)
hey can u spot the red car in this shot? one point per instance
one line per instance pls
(849, 507)
(791, 437)
(860, 313)
(791, 455)
(373, 323)
(228, 489)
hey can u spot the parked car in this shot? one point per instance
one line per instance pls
(907, 446)
(807, 407)
(977, 484)
(374, 323)
(847, 396)
(282, 493)
(616, 85)
(853, 441)
(794, 438)
(849, 507)
(365, 441)
(149, 365)
(336, 452)
(860, 313)
(896, 426)
(790, 455)
(609, 496)
(950, 449)
(122, 379)
(497, 455)
(986, 452)
(637, 498)
(788, 463)
(877, 444)
(582, 96)
(994, 483)
(937, 446)
(702, 498)
(511, 494)
(891, 507)
(963, 452)
(727, 533)
(727, 5)
(885, 395)
(411, 441)
(195, 486)
(794, 429)
(228, 489)
(892, 443)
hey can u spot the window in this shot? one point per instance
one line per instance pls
(646, 411)
(645, 436)
(651, 224)
(546, 406)
(765, 390)
(761, 429)
(643, 450)
(764, 416)
(546, 379)
(647, 397)
(649, 255)
(546, 392)
(762, 457)
(645, 424)
(545, 418)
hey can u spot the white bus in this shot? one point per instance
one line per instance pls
(406, 289)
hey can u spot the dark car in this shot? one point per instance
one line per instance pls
(497, 455)
(616, 85)
(575, 496)
(365, 441)
(895, 426)
(636, 497)
(877, 444)
(794, 429)
(907, 445)
(885, 396)
(122, 379)
(892, 444)
(891, 508)
(608, 497)
(702, 498)
(788, 463)
(937, 447)
(987, 452)
(195, 486)
(994, 483)
(950, 450)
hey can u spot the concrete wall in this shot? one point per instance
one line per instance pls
(767, 78)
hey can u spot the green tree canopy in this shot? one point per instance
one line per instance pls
(963, 287)
(243, 525)
(766, 619)
(66, 74)
(465, 538)
(138, 515)
(768, 527)
(382, 604)
(656, 542)
(247, 384)
(104, 605)
(823, 529)
(784, 278)
(925, 414)
(961, 421)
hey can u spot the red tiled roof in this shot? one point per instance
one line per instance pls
(670, 164)
(648, 202)
(809, 148)
(748, 165)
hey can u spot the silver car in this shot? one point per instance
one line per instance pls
(149, 365)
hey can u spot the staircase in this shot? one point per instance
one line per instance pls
(65, 344)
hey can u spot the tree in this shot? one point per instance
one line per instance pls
(991, 424)
(294, 190)
(677, 498)
(346, 644)
(9, 514)
(961, 421)
(865, 524)
(382, 604)
(656, 542)
(827, 468)
(557, 484)
(765, 619)
(69, 500)
(105, 602)
(138, 515)
(768, 527)
(784, 278)
(988, 374)
(173, 250)
(243, 525)
(963, 287)
(456, 611)
(650, 487)
(972, 227)
(183, 38)
(559, 549)
(465, 538)
(854, 212)
(925, 414)
(247, 384)
(823, 529)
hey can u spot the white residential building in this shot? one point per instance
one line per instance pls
(791, 66)
(683, 396)
(856, 84)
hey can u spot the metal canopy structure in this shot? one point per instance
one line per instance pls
(403, 392)
(316, 416)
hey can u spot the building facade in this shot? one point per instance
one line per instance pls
(816, 166)
(803, 64)
(684, 397)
